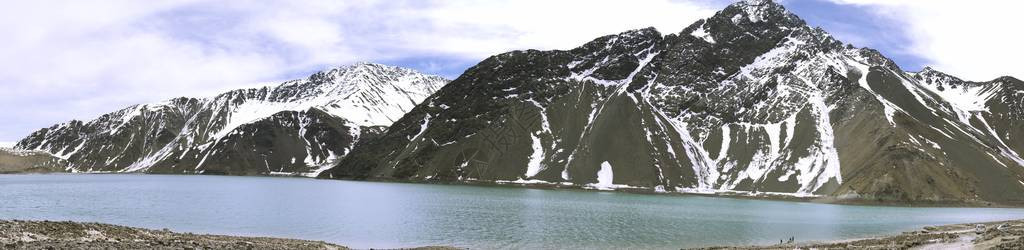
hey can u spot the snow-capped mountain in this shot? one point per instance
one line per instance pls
(749, 100)
(297, 127)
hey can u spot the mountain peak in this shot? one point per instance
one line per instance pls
(757, 11)
(646, 33)
(364, 63)
(367, 70)
(756, 4)
(758, 17)
(1008, 79)
(361, 67)
(928, 70)
(932, 76)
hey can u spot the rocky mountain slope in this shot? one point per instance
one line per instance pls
(750, 100)
(297, 127)
(21, 161)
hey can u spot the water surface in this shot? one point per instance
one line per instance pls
(370, 214)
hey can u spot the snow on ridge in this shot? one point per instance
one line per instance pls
(967, 97)
(366, 94)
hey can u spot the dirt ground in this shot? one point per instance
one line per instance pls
(992, 235)
(75, 235)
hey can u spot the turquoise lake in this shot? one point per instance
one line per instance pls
(372, 214)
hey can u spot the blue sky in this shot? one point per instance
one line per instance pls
(63, 60)
(862, 26)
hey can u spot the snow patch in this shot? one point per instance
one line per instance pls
(703, 167)
(604, 177)
(526, 182)
(1004, 149)
(967, 98)
(423, 127)
(737, 18)
(790, 130)
(726, 140)
(703, 34)
(534, 166)
(889, 114)
(823, 164)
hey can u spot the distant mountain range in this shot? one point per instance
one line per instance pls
(299, 127)
(751, 101)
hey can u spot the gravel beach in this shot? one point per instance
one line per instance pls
(16, 234)
(75, 235)
(991, 235)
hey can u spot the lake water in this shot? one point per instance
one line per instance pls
(370, 214)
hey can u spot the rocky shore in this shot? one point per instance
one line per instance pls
(75, 235)
(992, 235)
(18, 234)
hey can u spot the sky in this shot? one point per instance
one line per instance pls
(64, 60)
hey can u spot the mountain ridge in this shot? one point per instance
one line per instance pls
(330, 107)
(748, 100)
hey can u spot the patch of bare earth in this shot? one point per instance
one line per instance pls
(992, 235)
(75, 235)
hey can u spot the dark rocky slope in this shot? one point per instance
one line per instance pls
(751, 100)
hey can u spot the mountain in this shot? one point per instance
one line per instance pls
(21, 161)
(298, 127)
(751, 101)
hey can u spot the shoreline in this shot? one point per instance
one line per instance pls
(22, 234)
(984, 235)
(632, 190)
(766, 196)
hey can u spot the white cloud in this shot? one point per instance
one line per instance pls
(62, 60)
(977, 40)
(551, 24)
